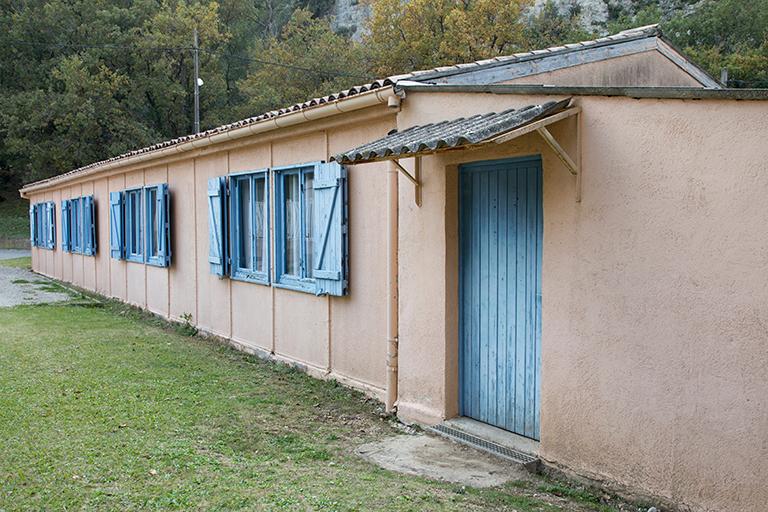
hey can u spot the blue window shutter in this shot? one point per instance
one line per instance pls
(330, 229)
(44, 225)
(217, 247)
(92, 224)
(33, 223)
(116, 226)
(65, 236)
(74, 225)
(164, 229)
(32, 229)
(89, 234)
(51, 221)
(45, 235)
(41, 237)
(85, 217)
(38, 226)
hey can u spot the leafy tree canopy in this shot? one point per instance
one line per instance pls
(83, 80)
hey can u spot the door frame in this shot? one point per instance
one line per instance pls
(468, 167)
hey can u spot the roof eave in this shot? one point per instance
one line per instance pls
(683, 93)
(679, 58)
(347, 104)
(647, 34)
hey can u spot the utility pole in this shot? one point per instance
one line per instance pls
(196, 53)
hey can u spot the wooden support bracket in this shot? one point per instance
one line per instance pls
(540, 127)
(559, 151)
(573, 166)
(416, 180)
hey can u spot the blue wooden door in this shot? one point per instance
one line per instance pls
(500, 237)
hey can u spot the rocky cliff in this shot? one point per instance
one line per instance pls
(350, 15)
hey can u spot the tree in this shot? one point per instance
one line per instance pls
(422, 34)
(161, 91)
(311, 61)
(84, 80)
(716, 34)
(78, 119)
(551, 27)
(730, 34)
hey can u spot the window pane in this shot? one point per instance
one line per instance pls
(152, 214)
(309, 208)
(261, 224)
(245, 256)
(135, 222)
(292, 228)
(75, 224)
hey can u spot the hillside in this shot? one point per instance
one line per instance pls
(115, 76)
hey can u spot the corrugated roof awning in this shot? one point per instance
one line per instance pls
(454, 134)
(470, 132)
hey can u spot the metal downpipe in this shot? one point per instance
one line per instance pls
(392, 288)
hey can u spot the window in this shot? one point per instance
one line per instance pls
(133, 225)
(153, 236)
(39, 237)
(116, 225)
(75, 225)
(42, 240)
(156, 225)
(294, 227)
(217, 226)
(78, 225)
(139, 227)
(310, 232)
(42, 225)
(249, 209)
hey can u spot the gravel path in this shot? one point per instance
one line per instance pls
(21, 286)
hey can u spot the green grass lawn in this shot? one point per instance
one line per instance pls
(25, 262)
(106, 408)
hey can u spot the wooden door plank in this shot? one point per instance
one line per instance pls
(500, 294)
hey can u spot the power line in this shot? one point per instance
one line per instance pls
(98, 46)
(327, 73)
(290, 66)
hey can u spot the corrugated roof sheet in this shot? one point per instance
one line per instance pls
(450, 134)
(419, 76)
(237, 124)
(626, 35)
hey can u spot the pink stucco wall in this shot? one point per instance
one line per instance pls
(655, 286)
(324, 334)
(655, 350)
(649, 68)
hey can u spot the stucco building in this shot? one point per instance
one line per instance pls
(567, 245)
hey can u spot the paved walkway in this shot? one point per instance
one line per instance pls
(21, 286)
(9, 254)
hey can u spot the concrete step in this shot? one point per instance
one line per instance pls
(492, 440)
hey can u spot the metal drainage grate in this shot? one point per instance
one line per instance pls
(530, 463)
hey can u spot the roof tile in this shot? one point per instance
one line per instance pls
(450, 134)
(426, 74)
